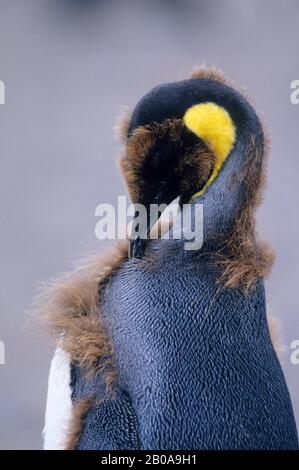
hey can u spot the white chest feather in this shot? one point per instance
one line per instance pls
(59, 402)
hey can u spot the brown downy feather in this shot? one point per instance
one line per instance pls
(191, 170)
(69, 307)
(79, 412)
(211, 73)
(215, 74)
(132, 159)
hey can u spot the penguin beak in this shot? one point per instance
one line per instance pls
(138, 243)
(137, 248)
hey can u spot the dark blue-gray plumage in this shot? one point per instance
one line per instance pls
(197, 369)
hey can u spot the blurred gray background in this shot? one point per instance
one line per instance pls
(68, 66)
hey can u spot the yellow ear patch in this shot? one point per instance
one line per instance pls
(214, 126)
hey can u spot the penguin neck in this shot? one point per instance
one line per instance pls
(221, 204)
(223, 199)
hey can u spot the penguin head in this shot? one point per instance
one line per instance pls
(178, 139)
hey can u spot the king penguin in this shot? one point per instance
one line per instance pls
(164, 347)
